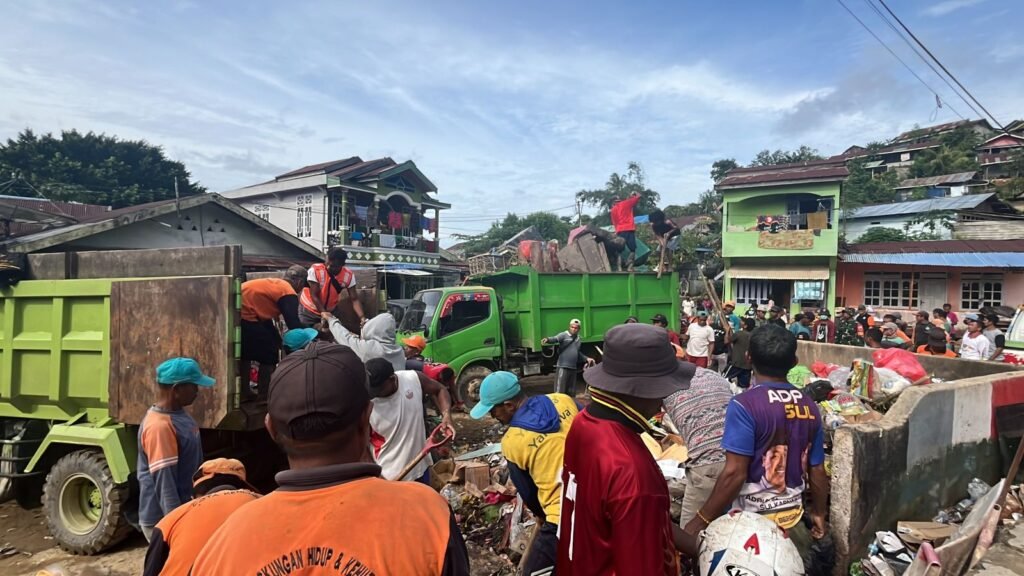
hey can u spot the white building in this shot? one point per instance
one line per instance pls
(381, 211)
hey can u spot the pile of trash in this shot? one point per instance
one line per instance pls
(863, 391)
(490, 515)
(892, 553)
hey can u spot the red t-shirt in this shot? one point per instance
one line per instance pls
(622, 214)
(615, 506)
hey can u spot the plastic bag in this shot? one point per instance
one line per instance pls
(888, 383)
(903, 362)
(822, 370)
(799, 376)
(862, 378)
(840, 379)
(977, 488)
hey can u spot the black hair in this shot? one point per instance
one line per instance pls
(772, 351)
(993, 318)
(923, 313)
(874, 334)
(378, 371)
(749, 323)
(939, 313)
(798, 317)
(656, 217)
(809, 316)
(947, 304)
(220, 480)
(337, 254)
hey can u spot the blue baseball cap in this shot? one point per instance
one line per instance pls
(298, 338)
(495, 389)
(182, 371)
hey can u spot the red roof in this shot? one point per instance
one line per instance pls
(73, 210)
(937, 246)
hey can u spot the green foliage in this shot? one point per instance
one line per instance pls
(620, 186)
(862, 187)
(1013, 187)
(769, 158)
(721, 167)
(550, 227)
(881, 234)
(955, 154)
(93, 168)
(934, 223)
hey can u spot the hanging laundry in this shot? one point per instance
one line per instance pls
(362, 212)
(405, 220)
(387, 240)
(433, 225)
(426, 223)
(414, 220)
(394, 220)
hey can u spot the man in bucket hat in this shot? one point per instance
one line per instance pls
(615, 505)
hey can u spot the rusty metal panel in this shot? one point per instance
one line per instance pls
(153, 320)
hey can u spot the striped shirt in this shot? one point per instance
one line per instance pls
(170, 452)
(699, 414)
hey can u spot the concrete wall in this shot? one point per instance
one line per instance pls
(920, 456)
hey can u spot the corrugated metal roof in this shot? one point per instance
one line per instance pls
(958, 178)
(936, 246)
(951, 260)
(919, 206)
(790, 173)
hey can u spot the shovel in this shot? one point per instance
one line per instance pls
(439, 437)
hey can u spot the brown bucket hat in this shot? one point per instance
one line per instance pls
(639, 361)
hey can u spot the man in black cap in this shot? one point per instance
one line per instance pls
(661, 321)
(775, 316)
(615, 505)
(332, 511)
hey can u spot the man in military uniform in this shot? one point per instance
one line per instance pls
(848, 330)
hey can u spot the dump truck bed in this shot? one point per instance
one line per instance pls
(536, 304)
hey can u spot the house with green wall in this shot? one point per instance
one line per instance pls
(780, 234)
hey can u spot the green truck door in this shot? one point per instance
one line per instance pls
(466, 327)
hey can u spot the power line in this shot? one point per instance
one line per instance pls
(941, 65)
(921, 56)
(896, 56)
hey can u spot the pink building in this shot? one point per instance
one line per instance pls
(910, 276)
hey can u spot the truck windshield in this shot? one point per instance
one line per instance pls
(421, 312)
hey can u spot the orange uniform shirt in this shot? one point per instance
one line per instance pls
(363, 526)
(260, 297)
(180, 536)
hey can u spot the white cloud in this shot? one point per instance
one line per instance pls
(947, 6)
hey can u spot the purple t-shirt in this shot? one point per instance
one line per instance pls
(779, 428)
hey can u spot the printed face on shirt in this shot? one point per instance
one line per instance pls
(774, 463)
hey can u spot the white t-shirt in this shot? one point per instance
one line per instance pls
(397, 421)
(976, 348)
(701, 339)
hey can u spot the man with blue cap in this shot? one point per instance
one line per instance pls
(170, 450)
(533, 446)
(298, 338)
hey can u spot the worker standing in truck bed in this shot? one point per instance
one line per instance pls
(263, 301)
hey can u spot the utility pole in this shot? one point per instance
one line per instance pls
(177, 198)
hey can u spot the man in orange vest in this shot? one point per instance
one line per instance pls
(324, 285)
(263, 301)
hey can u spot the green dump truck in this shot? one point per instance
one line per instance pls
(499, 324)
(77, 371)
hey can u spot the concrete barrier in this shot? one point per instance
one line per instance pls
(920, 456)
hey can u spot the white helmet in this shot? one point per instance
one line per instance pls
(747, 544)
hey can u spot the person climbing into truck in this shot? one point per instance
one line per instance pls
(397, 421)
(534, 446)
(324, 285)
(170, 450)
(773, 440)
(623, 220)
(376, 339)
(220, 489)
(615, 503)
(264, 300)
(332, 511)
(569, 358)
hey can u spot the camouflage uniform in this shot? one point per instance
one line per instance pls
(846, 333)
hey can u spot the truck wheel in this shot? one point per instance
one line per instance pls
(84, 507)
(469, 384)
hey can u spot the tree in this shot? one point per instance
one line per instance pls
(621, 187)
(1013, 186)
(862, 187)
(956, 153)
(548, 225)
(721, 167)
(881, 234)
(802, 154)
(93, 168)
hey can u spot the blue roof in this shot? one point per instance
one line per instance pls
(966, 202)
(948, 259)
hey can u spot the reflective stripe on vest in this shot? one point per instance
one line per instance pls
(326, 289)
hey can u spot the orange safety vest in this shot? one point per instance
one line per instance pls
(328, 292)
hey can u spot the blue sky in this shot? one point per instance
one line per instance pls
(506, 106)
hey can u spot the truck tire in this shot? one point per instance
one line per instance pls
(83, 506)
(469, 384)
